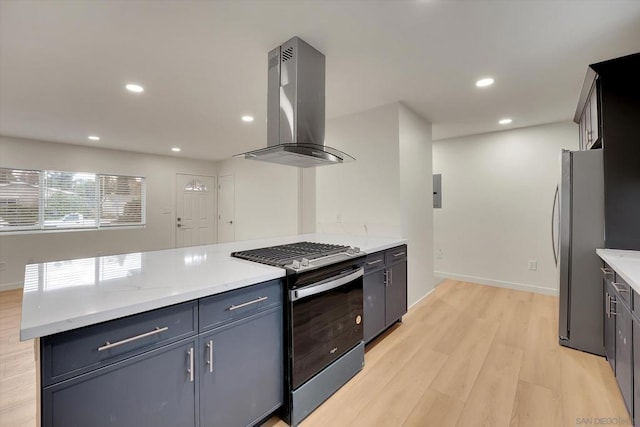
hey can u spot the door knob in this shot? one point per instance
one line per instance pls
(179, 226)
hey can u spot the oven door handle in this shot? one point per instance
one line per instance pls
(326, 285)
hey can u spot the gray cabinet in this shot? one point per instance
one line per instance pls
(396, 292)
(589, 121)
(241, 381)
(609, 323)
(217, 361)
(384, 290)
(374, 303)
(636, 370)
(152, 389)
(624, 353)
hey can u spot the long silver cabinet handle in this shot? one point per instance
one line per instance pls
(615, 286)
(210, 360)
(374, 262)
(190, 368)
(398, 254)
(325, 285)
(608, 305)
(611, 300)
(109, 345)
(606, 271)
(244, 304)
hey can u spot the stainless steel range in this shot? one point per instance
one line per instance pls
(323, 319)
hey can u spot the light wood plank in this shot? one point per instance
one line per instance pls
(535, 406)
(491, 399)
(467, 354)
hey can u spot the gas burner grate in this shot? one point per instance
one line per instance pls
(282, 255)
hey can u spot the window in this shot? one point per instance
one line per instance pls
(33, 200)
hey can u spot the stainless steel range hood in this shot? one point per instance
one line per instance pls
(295, 109)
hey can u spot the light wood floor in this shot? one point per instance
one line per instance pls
(467, 355)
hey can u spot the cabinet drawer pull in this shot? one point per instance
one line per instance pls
(190, 369)
(109, 345)
(210, 359)
(615, 286)
(244, 304)
(374, 262)
(398, 254)
(606, 271)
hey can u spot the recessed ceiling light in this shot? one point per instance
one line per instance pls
(505, 121)
(176, 149)
(485, 82)
(247, 119)
(132, 87)
(94, 138)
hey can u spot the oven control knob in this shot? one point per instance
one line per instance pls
(296, 264)
(350, 251)
(305, 262)
(356, 250)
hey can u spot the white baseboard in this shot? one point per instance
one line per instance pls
(498, 283)
(422, 297)
(10, 286)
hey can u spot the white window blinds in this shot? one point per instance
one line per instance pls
(121, 200)
(32, 200)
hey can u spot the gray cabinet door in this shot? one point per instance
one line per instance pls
(624, 354)
(396, 292)
(241, 374)
(153, 389)
(374, 304)
(636, 372)
(609, 325)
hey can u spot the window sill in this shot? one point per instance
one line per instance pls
(71, 230)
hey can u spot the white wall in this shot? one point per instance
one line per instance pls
(416, 201)
(266, 198)
(364, 193)
(497, 195)
(160, 172)
(387, 191)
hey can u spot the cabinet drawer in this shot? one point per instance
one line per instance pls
(232, 305)
(374, 261)
(71, 353)
(623, 289)
(396, 254)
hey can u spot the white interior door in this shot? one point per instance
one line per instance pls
(195, 210)
(226, 204)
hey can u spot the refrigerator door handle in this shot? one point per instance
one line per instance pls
(553, 218)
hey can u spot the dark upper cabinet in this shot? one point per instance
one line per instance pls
(616, 113)
(587, 117)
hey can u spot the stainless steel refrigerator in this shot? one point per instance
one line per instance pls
(577, 230)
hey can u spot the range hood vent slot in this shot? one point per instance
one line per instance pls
(287, 54)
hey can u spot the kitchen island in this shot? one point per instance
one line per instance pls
(147, 324)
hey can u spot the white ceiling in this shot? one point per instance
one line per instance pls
(63, 64)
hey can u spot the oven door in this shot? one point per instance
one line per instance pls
(326, 323)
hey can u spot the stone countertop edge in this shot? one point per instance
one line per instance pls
(625, 263)
(164, 278)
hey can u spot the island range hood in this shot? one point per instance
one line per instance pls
(295, 109)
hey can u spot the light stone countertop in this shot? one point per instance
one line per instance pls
(64, 295)
(625, 263)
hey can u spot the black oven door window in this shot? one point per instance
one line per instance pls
(324, 327)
